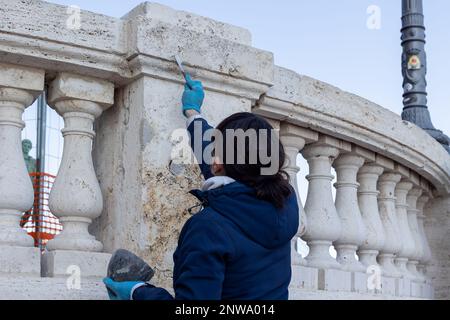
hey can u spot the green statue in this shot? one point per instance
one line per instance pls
(29, 160)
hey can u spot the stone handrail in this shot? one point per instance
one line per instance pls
(119, 74)
(383, 165)
(314, 104)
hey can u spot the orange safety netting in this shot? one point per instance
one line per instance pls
(39, 222)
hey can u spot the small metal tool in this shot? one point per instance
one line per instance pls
(180, 65)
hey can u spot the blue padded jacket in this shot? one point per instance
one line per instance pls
(236, 248)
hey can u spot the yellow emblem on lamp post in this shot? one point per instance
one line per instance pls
(414, 62)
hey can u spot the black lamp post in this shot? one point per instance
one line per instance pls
(414, 69)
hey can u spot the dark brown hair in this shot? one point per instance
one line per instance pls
(273, 188)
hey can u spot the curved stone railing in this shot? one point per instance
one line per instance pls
(383, 166)
(119, 185)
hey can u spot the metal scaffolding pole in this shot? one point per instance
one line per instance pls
(40, 162)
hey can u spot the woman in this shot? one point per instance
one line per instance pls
(238, 246)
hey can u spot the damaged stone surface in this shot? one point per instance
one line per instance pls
(165, 211)
(55, 43)
(144, 181)
(54, 23)
(191, 21)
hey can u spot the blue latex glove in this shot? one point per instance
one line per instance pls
(193, 95)
(119, 290)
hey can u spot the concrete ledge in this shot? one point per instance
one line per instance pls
(20, 261)
(304, 278)
(60, 263)
(299, 294)
(428, 291)
(359, 282)
(404, 288)
(36, 288)
(335, 280)
(105, 47)
(417, 289)
(389, 286)
(19, 77)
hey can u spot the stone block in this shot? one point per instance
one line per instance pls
(61, 263)
(366, 154)
(14, 287)
(154, 38)
(20, 77)
(304, 278)
(417, 289)
(191, 21)
(290, 130)
(333, 142)
(428, 291)
(288, 82)
(415, 178)
(20, 260)
(402, 170)
(359, 282)
(425, 185)
(69, 86)
(384, 162)
(335, 280)
(389, 286)
(404, 288)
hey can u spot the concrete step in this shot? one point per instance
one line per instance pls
(301, 294)
(13, 287)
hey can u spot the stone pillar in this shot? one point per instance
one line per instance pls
(324, 225)
(386, 204)
(413, 261)
(146, 186)
(425, 257)
(76, 198)
(407, 250)
(353, 230)
(294, 139)
(19, 87)
(437, 230)
(367, 197)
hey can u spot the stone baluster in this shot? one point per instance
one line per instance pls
(324, 225)
(292, 146)
(294, 139)
(386, 204)
(413, 261)
(353, 230)
(407, 250)
(19, 87)
(76, 198)
(426, 252)
(368, 177)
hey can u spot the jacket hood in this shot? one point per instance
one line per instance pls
(259, 220)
